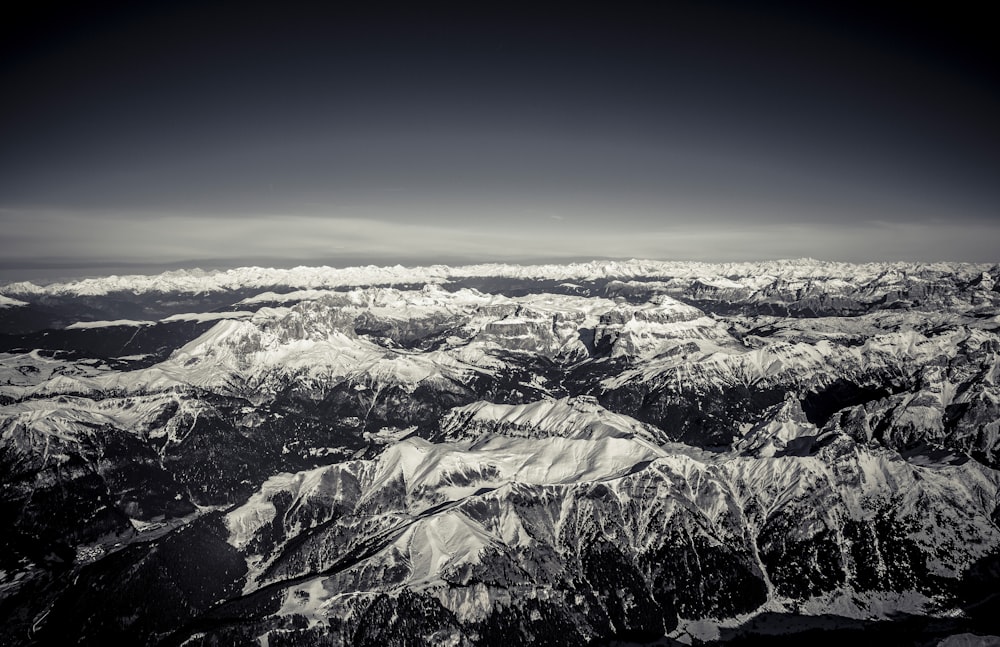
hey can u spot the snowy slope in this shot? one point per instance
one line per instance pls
(7, 302)
(492, 515)
(579, 417)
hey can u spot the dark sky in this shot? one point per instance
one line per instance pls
(178, 133)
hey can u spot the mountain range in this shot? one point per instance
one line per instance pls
(595, 453)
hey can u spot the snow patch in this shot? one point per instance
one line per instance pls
(82, 325)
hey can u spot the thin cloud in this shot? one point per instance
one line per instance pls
(62, 239)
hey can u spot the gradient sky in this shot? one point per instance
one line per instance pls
(198, 133)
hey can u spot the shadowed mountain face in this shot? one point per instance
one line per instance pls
(501, 455)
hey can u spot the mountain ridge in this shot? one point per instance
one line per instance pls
(325, 276)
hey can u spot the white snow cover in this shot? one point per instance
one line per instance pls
(432, 509)
(664, 340)
(714, 274)
(79, 325)
(436, 477)
(22, 372)
(797, 361)
(579, 417)
(207, 316)
(200, 317)
(493, 461)
(412, 496)
(66, 420)
(7, 302)
(970, 640)
(258, 511)
(315, 339)
(287, 297)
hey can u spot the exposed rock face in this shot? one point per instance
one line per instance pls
(652, 449)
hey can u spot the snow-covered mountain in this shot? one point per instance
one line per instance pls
(606, 536)
(760, 278)
(500, 454)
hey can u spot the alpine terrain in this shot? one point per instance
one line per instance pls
(584, 454)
